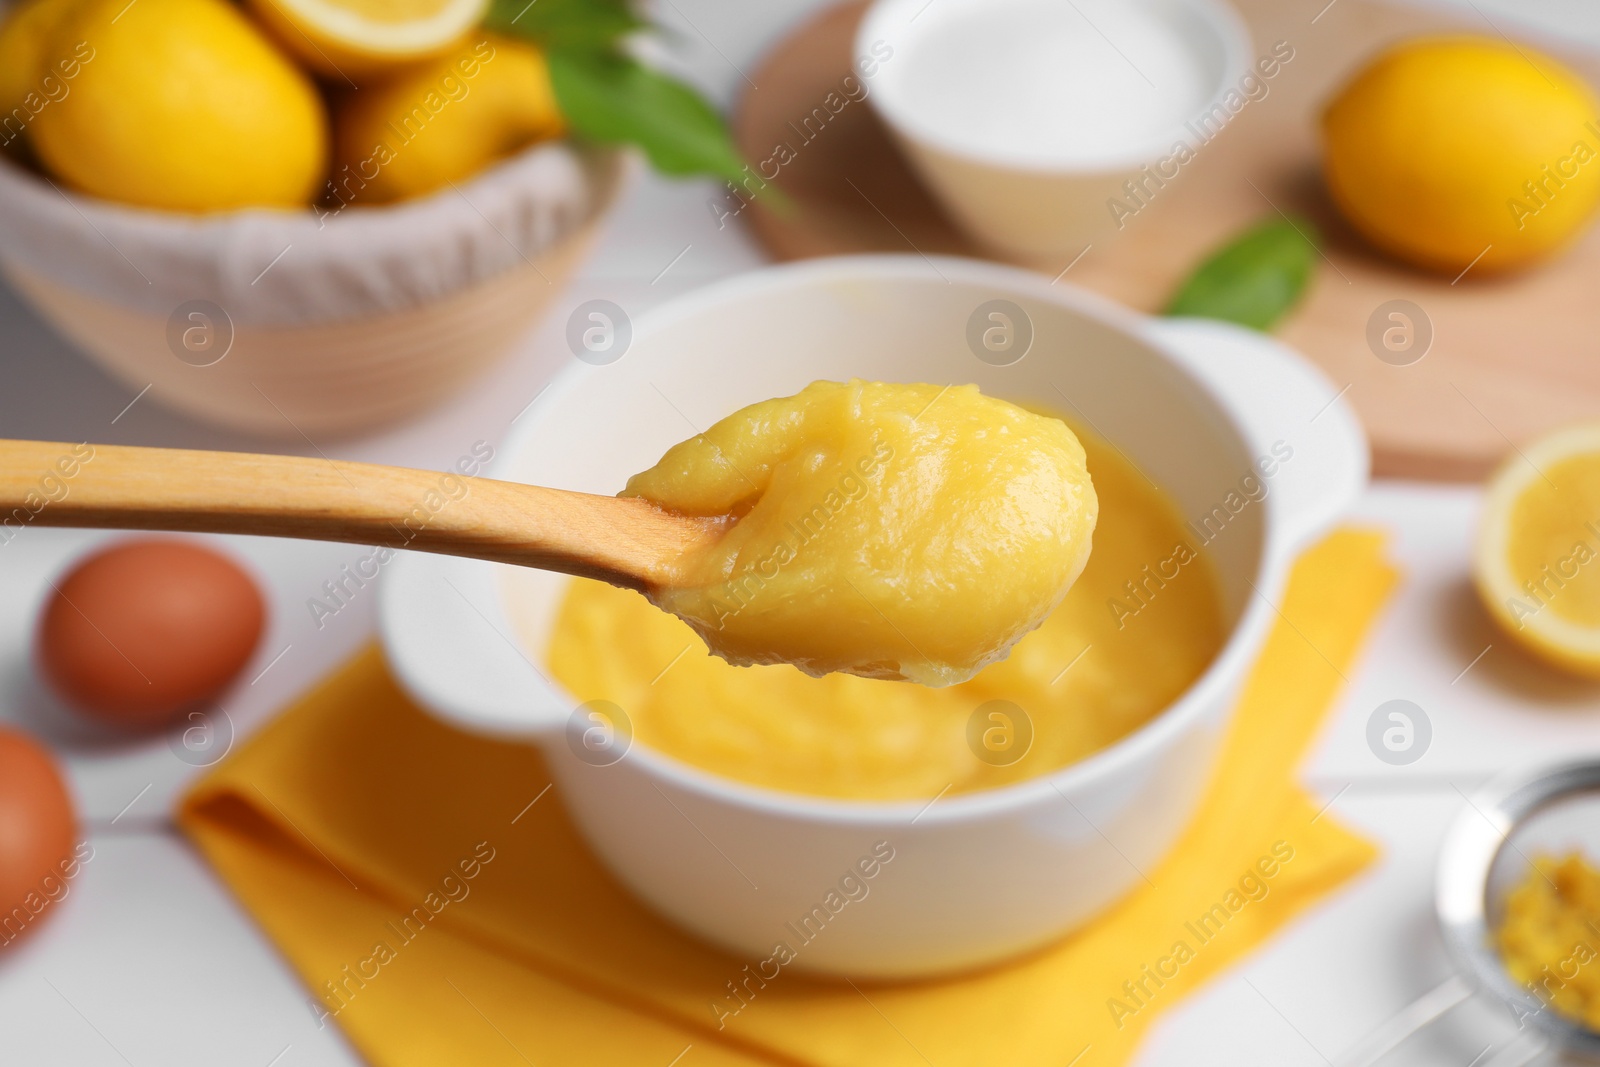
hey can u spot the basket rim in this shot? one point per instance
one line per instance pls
(365, 260)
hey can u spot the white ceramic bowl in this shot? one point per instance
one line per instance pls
(975, 877)
(1027, 193)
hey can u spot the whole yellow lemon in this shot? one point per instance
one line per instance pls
(1444, 150)
(181, 105)
(442, 121)
(30, 80)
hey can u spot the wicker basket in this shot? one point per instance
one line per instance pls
(363, 318)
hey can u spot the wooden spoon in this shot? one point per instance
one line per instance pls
(622, 540)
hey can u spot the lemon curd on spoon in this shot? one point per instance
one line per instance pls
(892, 531)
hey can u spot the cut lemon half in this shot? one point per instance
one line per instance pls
(1537, 561)
(345, 38)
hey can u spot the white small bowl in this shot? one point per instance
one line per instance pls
(975, 877)
(1006, 164)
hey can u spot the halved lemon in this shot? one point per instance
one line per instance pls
(345, 38)
(1537, 561)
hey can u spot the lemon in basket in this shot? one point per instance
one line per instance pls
(25, 66)
(1537, 560)
(347, 38)
(181, 105)
(1445, 150)
(442, 121)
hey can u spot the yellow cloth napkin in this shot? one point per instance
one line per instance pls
(443, 910)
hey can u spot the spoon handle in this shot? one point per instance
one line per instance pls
(621, 540)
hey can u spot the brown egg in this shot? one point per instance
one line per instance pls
(144, 630)
(36, 831)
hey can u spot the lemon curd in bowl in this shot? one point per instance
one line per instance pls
(1218, 416)
(1141, 623)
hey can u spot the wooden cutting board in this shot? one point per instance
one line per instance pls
(1509, 358)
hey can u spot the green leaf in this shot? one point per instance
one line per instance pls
(1255, 279)
(565, 23)
(613, 99)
